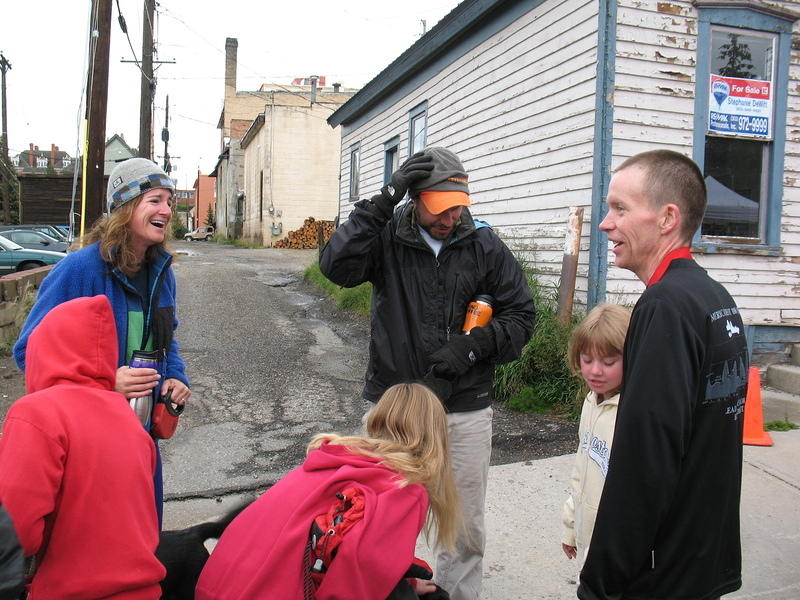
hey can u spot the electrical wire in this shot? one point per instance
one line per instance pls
(188, 118)
(123, 25)
(216, 48)
(89, 49)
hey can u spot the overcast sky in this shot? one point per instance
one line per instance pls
(348, 42)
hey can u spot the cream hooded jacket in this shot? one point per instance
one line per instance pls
(595, 434)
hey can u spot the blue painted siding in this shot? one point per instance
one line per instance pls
(604, 133)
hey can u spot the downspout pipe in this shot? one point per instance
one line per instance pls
(603, 146)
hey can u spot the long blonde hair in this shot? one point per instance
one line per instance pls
(113, 233)
(408, 433)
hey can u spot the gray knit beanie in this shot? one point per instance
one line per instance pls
(448, 173)
(132, 178)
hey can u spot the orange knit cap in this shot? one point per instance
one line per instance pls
(437, 202)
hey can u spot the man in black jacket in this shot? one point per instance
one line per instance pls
(668, 521)
(426, 262)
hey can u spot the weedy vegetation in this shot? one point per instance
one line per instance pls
(539, 381)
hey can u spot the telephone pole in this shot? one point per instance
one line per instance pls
(148, 85)
(96, 109)
(165, 139)
(5, 188)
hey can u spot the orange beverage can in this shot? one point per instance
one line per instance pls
(479, 313)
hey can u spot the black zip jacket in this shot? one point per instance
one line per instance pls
(420, 300)
(668, 522)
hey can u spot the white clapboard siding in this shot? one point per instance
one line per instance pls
(654, 100)
(519, 111)
(790, 217)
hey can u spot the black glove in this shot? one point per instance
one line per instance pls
(419, 569)
(441, 387)
(461, 352)
(416, 167)
(439, 594)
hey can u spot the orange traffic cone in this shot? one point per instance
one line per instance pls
(754, 434)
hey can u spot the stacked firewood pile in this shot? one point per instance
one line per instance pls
(308, 235)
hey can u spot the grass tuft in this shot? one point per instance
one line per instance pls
(358, 299)
(239, 243)
(539, 381)
(780, 426)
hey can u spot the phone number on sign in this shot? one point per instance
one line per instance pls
(739, 123)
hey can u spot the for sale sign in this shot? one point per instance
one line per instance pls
(740, 106)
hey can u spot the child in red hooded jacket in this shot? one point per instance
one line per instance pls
(402, 469)
(76, 466)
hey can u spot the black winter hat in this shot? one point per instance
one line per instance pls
(448, 173)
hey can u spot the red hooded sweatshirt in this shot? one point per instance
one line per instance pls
(261, 554)
(76, 466)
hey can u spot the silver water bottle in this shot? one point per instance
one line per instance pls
(143, 405)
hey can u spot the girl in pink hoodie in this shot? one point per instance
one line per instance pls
(403, 471)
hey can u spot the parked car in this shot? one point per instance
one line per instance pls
(201, 233)
(34, 240)
(64, 229)
(51, 230)
(14, 257)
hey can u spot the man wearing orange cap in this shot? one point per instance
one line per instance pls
(426, 261)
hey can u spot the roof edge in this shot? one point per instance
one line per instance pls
(445, 33)
(254, 128)
(772, 10)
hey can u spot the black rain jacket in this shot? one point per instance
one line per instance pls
(419, 300)
(668, 522)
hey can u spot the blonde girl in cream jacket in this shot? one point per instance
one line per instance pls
(595, 353)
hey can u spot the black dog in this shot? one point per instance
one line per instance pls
(183, 554)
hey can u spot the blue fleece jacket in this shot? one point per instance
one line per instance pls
(85, 273)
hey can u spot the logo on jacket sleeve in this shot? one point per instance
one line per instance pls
(731, 329)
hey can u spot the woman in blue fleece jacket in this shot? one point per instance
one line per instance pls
(127, 262)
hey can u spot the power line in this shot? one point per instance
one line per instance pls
(124, 28)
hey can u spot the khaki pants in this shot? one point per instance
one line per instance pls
(470, 438)
(461, 573)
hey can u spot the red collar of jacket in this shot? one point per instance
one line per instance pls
(662, 267)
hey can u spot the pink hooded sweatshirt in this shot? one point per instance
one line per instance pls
(261, 554)
(76, 466)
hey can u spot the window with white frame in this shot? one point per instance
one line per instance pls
(355, 167)
(41, 162)
(418, 128)
(66, 162)
(741, 100)
(391, 158)
(739, 139)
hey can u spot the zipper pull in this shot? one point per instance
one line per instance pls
(448, 333)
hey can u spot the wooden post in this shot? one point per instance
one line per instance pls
(569, 263)
(5, 180)
(147, 83)
(96, 111)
